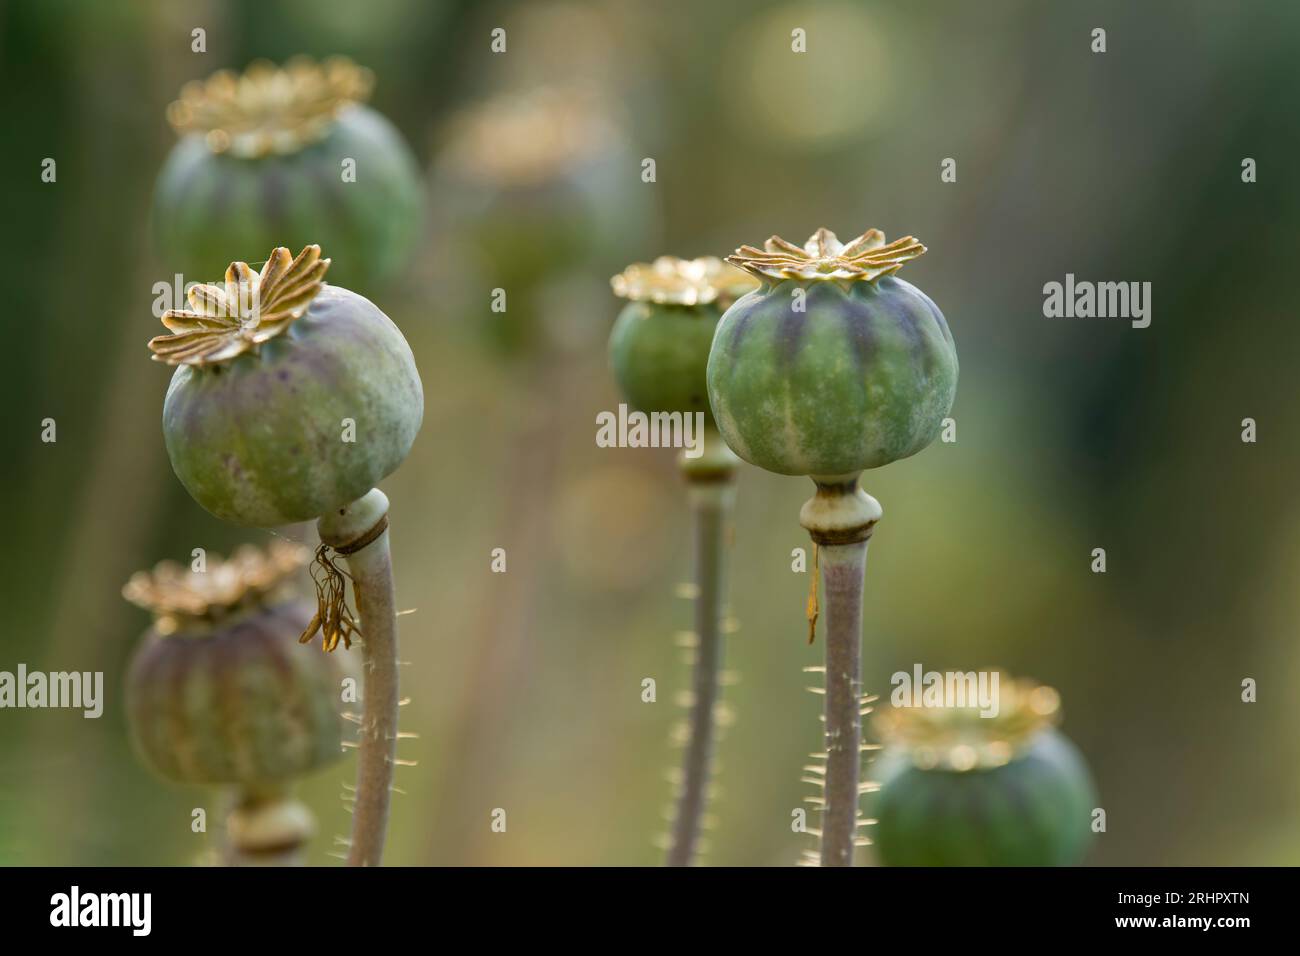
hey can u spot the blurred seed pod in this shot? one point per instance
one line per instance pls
(220, 692)
(532, 186)
(659, 347)
(268, 829)
(287, 156)
(958, 789)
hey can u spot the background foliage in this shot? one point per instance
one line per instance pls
(1072, 434)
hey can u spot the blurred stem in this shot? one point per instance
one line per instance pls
(711, 494)
(503, 653)
(359, 532)
(267, 827)
(840, 518)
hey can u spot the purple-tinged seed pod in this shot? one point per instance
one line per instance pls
(291, 398)
(219, 691)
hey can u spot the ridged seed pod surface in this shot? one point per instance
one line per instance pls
(819, 379)
(244, 704)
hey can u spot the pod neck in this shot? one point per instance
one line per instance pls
(268, 827)
(715, 464)
(840, 512)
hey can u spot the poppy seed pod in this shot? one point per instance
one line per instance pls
(834, 365)
(659, 348)
(532, 187)
(291, 397)
(287, 155)
(219, 691)
(961, 789)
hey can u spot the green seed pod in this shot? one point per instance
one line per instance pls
(287, 156)
(834, 365)
(659, 348)
(958, 789)
(219, 692)
(292, 397)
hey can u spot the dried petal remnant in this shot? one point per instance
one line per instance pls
(332, 617)
(824, 257)
(250, 308)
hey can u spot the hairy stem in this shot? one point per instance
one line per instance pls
(843, 570)
(352, 533)
(840, 517)
(710, 507)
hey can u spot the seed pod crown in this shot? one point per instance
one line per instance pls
(963, 738)
(673, 281)
(185, 600)
(269, 109)
(250, 308)
(824, 257)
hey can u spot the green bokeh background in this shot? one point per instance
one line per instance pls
(525, 687)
